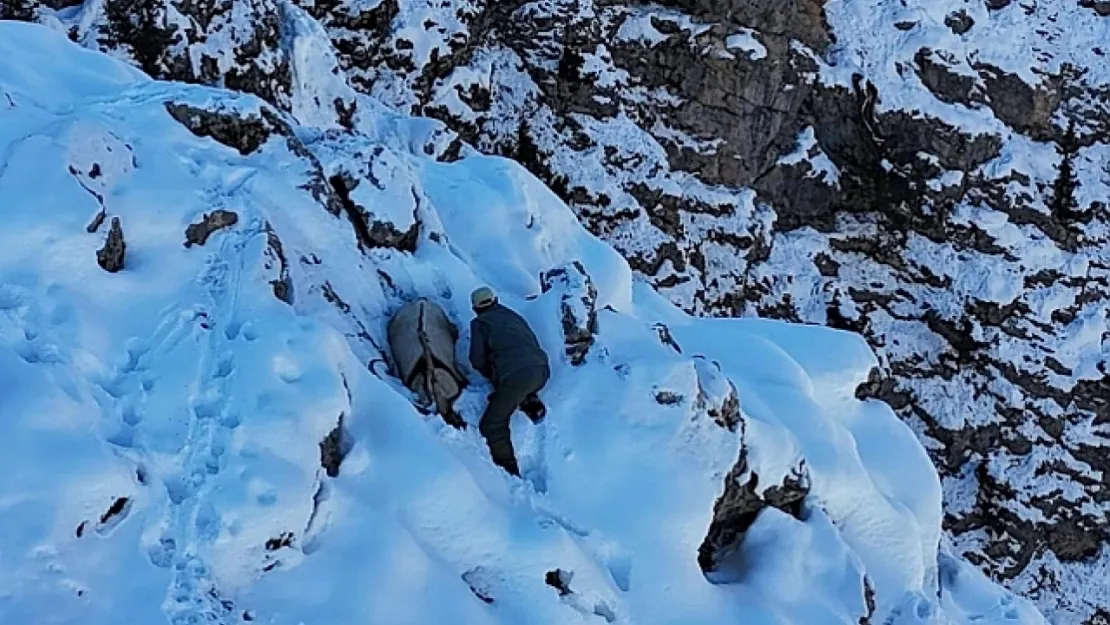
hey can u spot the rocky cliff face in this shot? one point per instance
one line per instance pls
(932, 175)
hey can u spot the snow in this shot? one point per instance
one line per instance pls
(746, 41)
(809, 151)
(317, 84)
(1029, 40)
(184, 385)
(638, 25)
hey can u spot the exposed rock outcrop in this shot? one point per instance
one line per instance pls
(739, 506)
(110, 257)
(577, 308)
(717, 394)
(243, 133)
(198, 233)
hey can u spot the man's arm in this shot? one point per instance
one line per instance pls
(479, 357)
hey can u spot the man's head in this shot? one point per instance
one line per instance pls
(482, 298)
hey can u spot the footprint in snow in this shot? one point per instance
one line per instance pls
(161, 552)
(618, 563)
(11, 297)
(134, 352)
(533, 462)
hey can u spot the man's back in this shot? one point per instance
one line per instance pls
(502, 343)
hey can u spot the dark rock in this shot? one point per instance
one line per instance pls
(577, 306)
(717, 394)
(346, 112)
(139, 27)
(957, 333)
(245, 134)
(883, 387)
(21, 10)
(479, 580)
(283, 283)
(739, 505)
(372, 233)
(117, 507)
(959, 21)
(559, 580)
(995, 5)
(1075, 541)
(331, 296)
(869, 601)
(1028, 109)
(665, 337)
(158, 36)
(1102, 7)
(1101, 616)
(826, 265)
(110, 257)
(198, 233)
(116, 513)
(946, 85)
(335, 446)
(97, 221)
(668, 398)
(282, 541)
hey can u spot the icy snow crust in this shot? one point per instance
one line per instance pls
(184, 385)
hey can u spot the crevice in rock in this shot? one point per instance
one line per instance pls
(666, 338)
(1064, 205)
(334, 448)
(329, 294)
(378, 233)
(869, 601)
(282, 285)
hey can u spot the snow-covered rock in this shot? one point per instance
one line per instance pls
(577, 308)
(199, 435)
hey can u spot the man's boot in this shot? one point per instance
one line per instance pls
(503, 455)
(507, 462)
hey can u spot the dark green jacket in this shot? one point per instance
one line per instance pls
(501, 344)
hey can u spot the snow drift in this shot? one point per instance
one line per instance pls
(191, 288)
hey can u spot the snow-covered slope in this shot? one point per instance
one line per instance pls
(191, 288)
(930, 174)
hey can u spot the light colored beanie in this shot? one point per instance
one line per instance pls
(482, 297)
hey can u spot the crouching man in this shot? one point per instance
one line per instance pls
(504, 349)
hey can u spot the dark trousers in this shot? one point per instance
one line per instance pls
(503, 401)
